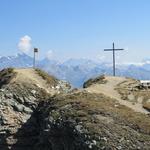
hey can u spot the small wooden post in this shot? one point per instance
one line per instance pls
(34, 59)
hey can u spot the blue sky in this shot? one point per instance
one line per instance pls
(77, 28)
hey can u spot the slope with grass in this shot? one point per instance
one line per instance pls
(115, 87)
(85, 120)
(40, 79)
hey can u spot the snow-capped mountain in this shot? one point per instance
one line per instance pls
(19, 60)
(76, 71)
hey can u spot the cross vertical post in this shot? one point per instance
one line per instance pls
(113, 50)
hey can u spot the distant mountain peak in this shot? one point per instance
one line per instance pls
(77, 70)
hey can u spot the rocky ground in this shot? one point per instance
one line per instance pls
(21, 92)
(82, 120)
(40, 112)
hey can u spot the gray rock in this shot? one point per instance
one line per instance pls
(18, 107)
(27, 110)
(18, 98)
(9, 95)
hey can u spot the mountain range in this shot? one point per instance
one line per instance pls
(77, 71)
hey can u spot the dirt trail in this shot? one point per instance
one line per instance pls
(109, 90)
(30, 76)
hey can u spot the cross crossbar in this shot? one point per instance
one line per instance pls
(114, 49)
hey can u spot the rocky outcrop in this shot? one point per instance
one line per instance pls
(17, 104)
(19, 127)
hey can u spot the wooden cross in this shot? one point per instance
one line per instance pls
(113, 50)
(35, 51)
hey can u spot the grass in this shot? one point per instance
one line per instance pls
(49, 79)
(6, 75)
(85, 105)
(146, 105)
(125, 89)
(99, 80)
(144, 94)
(99, 118)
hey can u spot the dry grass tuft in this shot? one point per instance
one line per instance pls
(99, 80)
(49, 79)
(146, 105)
(6, 75)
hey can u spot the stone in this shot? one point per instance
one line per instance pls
(9, 95)
(18, 107)
(27, 110)
(18, 98)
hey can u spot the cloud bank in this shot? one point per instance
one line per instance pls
(49, 54)
(25, 44)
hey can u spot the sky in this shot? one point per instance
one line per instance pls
(63, 29)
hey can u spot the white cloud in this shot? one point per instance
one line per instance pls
(49, 54)
(133, 63)
(126, 48)
(101, 57)
(25, 44)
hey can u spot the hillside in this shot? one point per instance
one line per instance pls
(83, 120)
(36, 77)
(126, 91)
(37, 115)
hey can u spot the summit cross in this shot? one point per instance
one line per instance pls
(113, 50)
